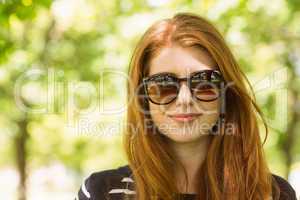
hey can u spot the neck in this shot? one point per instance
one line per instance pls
(191, 155)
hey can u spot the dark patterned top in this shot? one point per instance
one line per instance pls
(117, 184)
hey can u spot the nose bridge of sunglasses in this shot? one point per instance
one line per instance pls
(184, 80)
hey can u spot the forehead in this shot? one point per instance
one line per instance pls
(181, 61)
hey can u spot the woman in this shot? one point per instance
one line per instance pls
(192, 130)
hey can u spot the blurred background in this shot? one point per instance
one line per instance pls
(63, 67)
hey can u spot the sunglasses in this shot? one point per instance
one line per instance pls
(163, 88)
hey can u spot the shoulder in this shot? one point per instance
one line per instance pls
(112, 182)
(286, 190)
(119, 181)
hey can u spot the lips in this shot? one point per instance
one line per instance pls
(185, 117)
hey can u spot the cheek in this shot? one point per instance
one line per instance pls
(211, 112)
(159, 117)
(208, 108)
(157, 113)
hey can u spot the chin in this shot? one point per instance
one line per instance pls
(183, 138)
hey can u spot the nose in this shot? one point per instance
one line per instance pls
(184, 96)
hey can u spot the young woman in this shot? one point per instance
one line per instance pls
(192, 130)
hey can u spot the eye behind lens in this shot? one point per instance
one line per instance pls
(205, 90)
(162, 93)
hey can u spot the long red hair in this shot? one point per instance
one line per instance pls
(235, 167)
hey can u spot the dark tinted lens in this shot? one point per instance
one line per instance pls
(162, 91)
(204, 86)
(205, 91)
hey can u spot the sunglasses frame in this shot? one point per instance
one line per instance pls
(146, 80)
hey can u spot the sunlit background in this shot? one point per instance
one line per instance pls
(63, 67)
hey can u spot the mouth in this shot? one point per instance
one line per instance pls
(185, 117)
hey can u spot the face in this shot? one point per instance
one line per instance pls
(182, 62)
